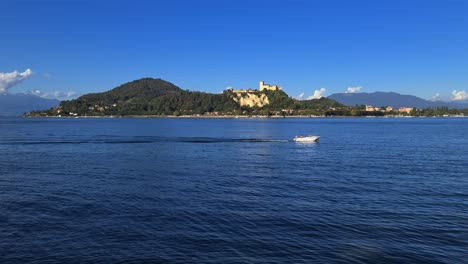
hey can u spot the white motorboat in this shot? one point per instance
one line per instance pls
(306, 139)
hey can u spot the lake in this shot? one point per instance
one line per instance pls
(136, 190)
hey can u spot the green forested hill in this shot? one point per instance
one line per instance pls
(141, 90)
(158, 97)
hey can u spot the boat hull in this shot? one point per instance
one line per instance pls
(306, 139)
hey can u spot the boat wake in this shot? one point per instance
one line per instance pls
(142, 140)
(226, 140)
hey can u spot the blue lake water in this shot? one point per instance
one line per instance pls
(233, 191)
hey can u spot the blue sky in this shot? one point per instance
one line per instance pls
(411, 47)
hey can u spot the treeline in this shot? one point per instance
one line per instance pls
(179, 103)
(439, 111)
(183, 102)
(158, 97)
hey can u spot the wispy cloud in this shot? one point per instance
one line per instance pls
(436, 97)
(354, 89)
(318, 94)
(300, 96)
(459, 95)
(10, 79)
(55, 95)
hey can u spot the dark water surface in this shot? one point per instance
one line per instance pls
(233, 191)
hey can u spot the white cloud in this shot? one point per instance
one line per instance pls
(459, 95)
(436, 97)
(10, 79)
(318, 94)
(55, 95)
(354, 89)
(300, 96)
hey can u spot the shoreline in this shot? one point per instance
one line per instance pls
(239, 117)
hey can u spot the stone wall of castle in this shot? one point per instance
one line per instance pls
(264, 86)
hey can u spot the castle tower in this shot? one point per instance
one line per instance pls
(262, 85)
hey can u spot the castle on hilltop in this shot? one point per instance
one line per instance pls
(264, 86)
(251, 98)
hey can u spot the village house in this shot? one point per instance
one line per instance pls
(405, 110)
(370, 108)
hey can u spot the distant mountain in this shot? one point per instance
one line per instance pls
(459, 104)
(390, 99)
(17, 104)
